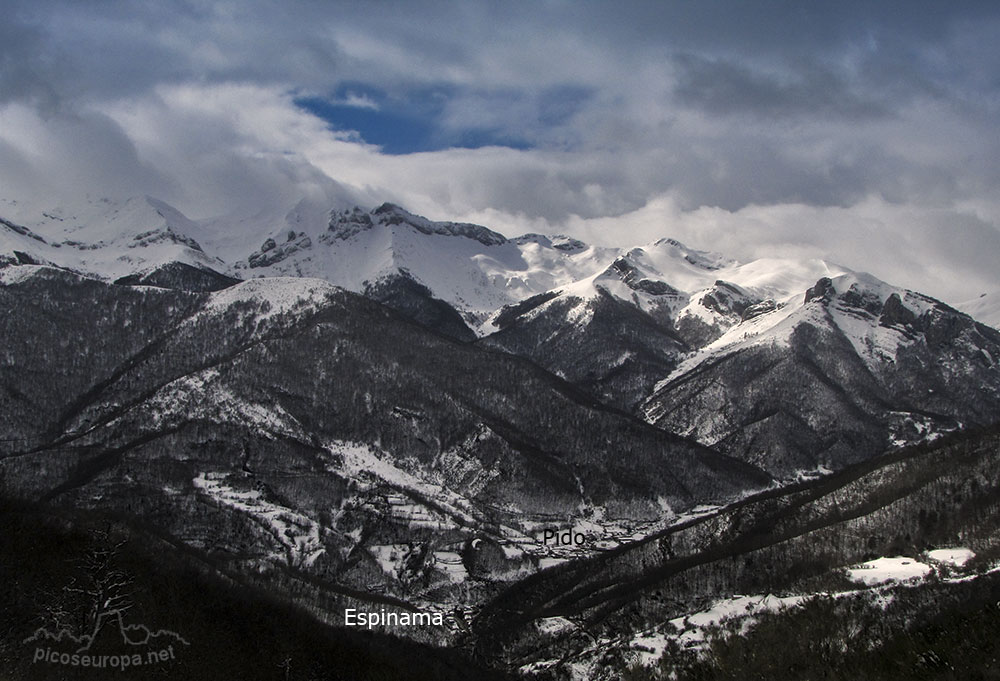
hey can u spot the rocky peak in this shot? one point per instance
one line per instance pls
(533, 238)
(727, 299)
(345, 224)
(23, 231)
(270, 252)
(567, 244)
(894, 313)
(861, 300)
(630, 275)
(390, 214)
(823, 291)
(757, 309)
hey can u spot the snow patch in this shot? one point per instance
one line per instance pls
(368, 465)
(956, 557)
(201, 395)
(548, 626)
(886, 570)
(297, 533)
(391, 557)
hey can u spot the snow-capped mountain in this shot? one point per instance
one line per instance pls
(471, 268)
(791, 365)
(984, 308)
(477, 272)
(223, 382)
(103, 237)
(838, 365)
(634, 320)
(834, 375)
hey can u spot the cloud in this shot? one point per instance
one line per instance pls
(948, 253)
(776, 124)
(28, 72)
(357, 101)
(809, 89)
(69, 153)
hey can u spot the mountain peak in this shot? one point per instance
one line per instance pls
(707, 260)
(389, 214)
(388, 207)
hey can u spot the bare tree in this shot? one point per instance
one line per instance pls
(97, 588)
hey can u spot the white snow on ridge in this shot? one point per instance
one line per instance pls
(690, 276)
(476, 278)
(16, 275)
(781, 277)
(201, 395)
(773, 327)
(476, 275)
(234, 237)
(281, 294)
(786, 282)
(737, 606)
(474, 270)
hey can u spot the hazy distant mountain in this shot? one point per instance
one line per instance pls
(104, 238)
(985, 308)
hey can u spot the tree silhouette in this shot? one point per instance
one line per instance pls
(97, 587)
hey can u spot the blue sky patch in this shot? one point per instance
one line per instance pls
(401, 125)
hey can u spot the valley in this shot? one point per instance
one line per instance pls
(577, 461)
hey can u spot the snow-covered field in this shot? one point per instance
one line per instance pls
(887, 570)
(297, 534)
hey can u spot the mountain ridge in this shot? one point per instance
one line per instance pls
(403, 413)
(624, 325)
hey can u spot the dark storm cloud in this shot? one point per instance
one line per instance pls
(809, 89)
(119, 47)
(781, 29)
(27, 72)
